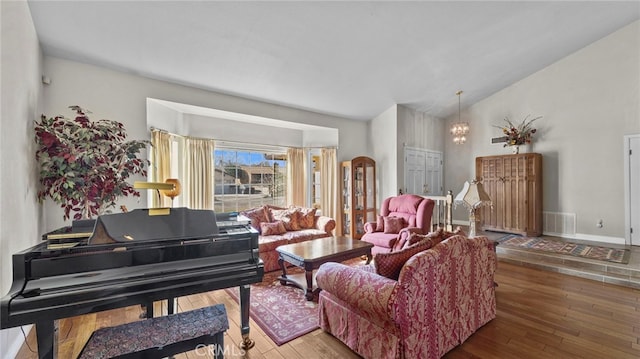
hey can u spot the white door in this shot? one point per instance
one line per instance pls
(634, 189)
(414, 170)
(433, 182)
(423, 172)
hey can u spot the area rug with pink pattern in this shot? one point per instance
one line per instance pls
(282, 311)
(557, 246)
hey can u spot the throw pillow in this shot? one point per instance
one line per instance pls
(307, 219)
(456, 232)
(272, 228)
(380, 224)
(289, 217)
(393, 224)
(271, 207)
(390, 264)
(414, 238)
(257, 216)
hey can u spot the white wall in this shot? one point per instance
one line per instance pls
(164, 118)
(230, 130)
(589, 101)
(123, 97)
(20, 216)
(321, 137)
(389, 133)
(189, 120)
(419, 130)
(383, 140)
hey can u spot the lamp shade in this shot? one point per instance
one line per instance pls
(175, 191)
(473, 195)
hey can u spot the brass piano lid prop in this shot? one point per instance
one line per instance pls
(157, 186)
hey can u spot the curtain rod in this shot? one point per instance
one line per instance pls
(322, 147)
(246, 143)
(152, 129)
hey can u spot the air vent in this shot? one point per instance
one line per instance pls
(559, 224)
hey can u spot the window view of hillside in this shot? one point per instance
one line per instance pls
(247, 179)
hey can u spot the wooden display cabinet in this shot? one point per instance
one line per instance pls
(358, 180)
(514, 184)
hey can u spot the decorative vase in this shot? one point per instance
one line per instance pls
(515, 149)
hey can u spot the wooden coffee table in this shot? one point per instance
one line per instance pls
(309, 255)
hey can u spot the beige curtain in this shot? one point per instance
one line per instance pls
(329, 182)
(296, 177)
(160, 168)
(197, 189)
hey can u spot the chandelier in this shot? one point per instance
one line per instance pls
(459, 129)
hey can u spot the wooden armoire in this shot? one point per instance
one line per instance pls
(514, 183)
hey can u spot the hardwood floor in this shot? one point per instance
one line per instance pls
(540, 314)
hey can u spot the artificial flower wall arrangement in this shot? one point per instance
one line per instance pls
(518, 135)
(84, 164)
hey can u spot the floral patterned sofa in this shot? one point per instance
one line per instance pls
(441, 296)
(278, 226)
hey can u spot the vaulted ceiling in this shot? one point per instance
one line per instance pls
(350, 59)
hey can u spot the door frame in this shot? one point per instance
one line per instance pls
(627, 190)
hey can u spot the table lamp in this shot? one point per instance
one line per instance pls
(473, 197)
(157, 186)
(175, 191)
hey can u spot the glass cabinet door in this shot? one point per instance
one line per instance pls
(370, 193)
(358, 195)
(346, 199)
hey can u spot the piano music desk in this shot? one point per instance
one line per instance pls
(161, 337)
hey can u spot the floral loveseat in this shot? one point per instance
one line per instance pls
(278, 226)
(441, 296)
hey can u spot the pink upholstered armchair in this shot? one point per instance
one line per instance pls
(442, 296)
(399, 217)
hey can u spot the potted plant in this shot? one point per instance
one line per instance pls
(84, 164)
(516, 136)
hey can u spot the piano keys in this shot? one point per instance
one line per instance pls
(132, 258)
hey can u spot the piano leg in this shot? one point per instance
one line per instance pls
(149, 307)
(245, 291)
(45, 337)
(170, 306)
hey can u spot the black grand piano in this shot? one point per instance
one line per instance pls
(128, 259)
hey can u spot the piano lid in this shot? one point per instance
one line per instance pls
(138, 225)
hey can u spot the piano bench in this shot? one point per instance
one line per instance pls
(162, 336)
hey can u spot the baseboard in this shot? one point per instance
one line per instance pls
(589, 237)
(578, 236)
(12, 339)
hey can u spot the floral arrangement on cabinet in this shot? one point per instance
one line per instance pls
(84, 164)
(520, 134)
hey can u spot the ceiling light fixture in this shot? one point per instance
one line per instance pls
(459, 129)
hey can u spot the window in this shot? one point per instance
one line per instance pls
(248, 178)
